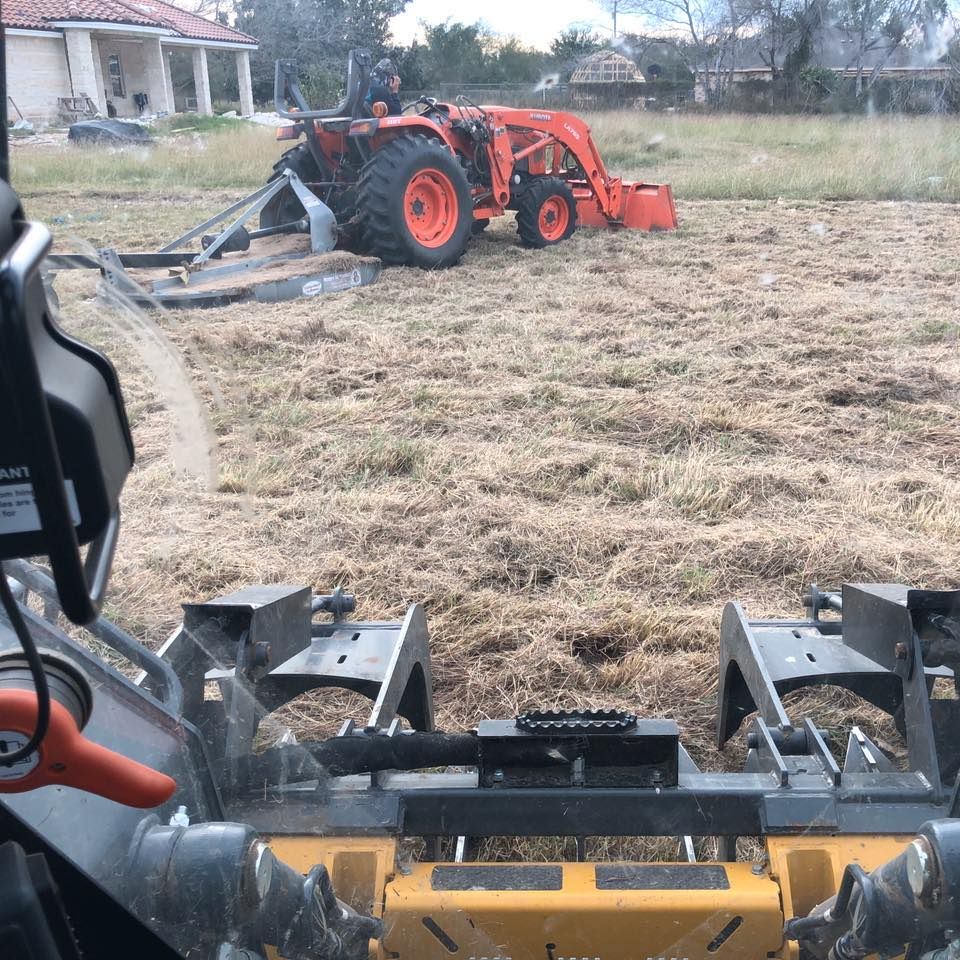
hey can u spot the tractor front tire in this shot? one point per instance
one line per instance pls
(286, 207)
(546, 213)
(414, 204)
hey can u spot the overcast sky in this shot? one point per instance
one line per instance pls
(535, 22)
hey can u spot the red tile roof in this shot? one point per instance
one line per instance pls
(186, 24)
(43, 14)
(39, 14)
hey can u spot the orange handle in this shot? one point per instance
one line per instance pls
(69, 759)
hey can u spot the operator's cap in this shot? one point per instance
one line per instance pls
(384, 69)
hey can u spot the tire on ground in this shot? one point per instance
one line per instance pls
(286, 207)
(414, 203)
(546, 213)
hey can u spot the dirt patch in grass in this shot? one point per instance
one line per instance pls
(572, 457)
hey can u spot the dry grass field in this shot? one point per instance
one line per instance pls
(572, 457)
(704, 157)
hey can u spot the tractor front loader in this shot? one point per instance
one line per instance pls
(412, 189)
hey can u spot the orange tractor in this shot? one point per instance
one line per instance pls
(413, 188)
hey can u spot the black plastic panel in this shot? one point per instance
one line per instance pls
(658, 876)
(496, 878)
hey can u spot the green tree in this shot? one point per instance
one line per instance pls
(366, 23)
(411, 63)
(274, 23)
(457, 53)
(512, 62)
(805, 19)
(573, 44)
(570, 47)
(316, 33)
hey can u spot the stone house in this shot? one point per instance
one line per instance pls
(116, 52)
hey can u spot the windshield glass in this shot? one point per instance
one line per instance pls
(519, 340)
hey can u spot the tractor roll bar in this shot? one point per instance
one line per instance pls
(286, 86)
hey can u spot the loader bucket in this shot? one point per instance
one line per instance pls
(648, 206)
(643, 206)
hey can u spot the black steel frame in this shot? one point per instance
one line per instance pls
(264, 646)
(792, 782)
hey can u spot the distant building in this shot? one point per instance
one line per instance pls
(832, 49)
(606, 78)
(115, 54)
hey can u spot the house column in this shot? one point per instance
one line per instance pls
(168, 80)
(83, 72)
(201, 81)
(243, 79)
(98, 72)
(155, 76)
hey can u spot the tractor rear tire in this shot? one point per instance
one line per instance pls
(546, 213)
(414, 204)
(286, 207)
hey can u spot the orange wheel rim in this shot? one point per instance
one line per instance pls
(554, 218)
(431, 208)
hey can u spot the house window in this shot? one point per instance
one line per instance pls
(116, 75)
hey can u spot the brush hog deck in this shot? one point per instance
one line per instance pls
(268, 265)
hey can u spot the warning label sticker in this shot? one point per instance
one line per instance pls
(10, 742)
(18, 509)
(332, 283)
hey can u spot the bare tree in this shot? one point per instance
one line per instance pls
(711, 30)
(218, 10)
(783, 31)
(879, 28)
(772, 19)
(617, 7)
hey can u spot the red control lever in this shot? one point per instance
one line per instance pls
(67, 758)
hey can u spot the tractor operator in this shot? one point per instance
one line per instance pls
(384, 86)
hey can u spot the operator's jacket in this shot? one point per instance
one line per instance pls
(379, 91)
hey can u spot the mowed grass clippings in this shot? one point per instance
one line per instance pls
(572, 457)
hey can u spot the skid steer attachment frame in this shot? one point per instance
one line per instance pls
(354, 801)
